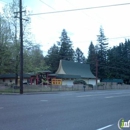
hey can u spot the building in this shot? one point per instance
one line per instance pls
(11, 77)
(40, 77)
(68, 71)
(112, 81)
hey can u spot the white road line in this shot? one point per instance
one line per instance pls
(101, 94)
(105, 127)
(66, 94)
(44, 100)
(117, 96)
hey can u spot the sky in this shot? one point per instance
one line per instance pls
(82, 26)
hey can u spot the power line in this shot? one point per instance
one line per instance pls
(125, 37)
(47, 4)
(84, 12)
(71, 10)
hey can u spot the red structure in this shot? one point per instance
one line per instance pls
(41, 78)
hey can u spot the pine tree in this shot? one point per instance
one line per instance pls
(66, 51)
(92, 58)
(102, 54)
(79, 56)
(118, 61)
(53, 58)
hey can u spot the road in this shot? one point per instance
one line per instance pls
(90, 110)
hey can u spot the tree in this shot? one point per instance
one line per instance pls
(34, 60)
(102, 53)
(52, 59)
(10, 14)
(118, 61)
(92, 57)
(63, 51)
(66, 51)
(5, 35)
(79, 56)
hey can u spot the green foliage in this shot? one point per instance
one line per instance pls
(112, 63)
(79, 56)
(52, 59)
(102, 53)
(5, 45)
(10, 44)
(119, 61)
(79, 81)
(92, 58)
(34, 60)
(66, 51)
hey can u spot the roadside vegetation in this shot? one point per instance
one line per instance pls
(112, 62)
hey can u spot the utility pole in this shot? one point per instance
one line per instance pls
(21, 43)
(96, 72)
(21, 47)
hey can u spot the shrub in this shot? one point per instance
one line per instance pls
(90, 85)
(79, 81)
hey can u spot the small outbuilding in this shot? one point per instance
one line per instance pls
(68, 71)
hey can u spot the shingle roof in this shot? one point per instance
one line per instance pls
(73, 68)
(44, 71)
(12, 75)
(113, 80)
(64, 76)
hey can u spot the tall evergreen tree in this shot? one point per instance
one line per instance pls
(118, 61)
(112, 63)
(79, 56)
(102, 53)
(66, 51)
(62, 51)
(92, 58)
(52, 59)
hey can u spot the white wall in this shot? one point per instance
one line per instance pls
(70, 82)
(92, 81)
(67, 82)
(8, 81)
(13, 81)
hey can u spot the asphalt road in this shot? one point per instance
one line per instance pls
(93, 110)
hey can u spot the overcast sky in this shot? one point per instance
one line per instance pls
(82, 26)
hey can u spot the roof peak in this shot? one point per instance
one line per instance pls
(75, 68)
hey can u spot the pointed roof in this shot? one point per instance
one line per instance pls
(73, 68)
